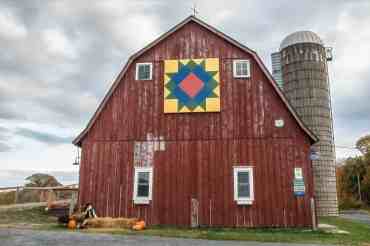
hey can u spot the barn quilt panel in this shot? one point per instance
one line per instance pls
(191, 85)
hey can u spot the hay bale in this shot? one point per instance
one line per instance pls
(108, 222)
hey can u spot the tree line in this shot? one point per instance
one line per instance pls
(353, 178)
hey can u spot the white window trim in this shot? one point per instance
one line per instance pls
(143, 200)
(234, 69)
(298, 173)
(137, 70)
(243, 201)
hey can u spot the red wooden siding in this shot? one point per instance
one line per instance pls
(200, 148)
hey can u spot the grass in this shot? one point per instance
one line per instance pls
(7, 198)
(367, 209)
(359, 232)
(26, 216)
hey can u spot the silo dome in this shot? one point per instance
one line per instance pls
(301, 37)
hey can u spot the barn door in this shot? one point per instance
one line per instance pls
(194, 214)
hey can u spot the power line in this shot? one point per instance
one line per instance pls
(346, 147)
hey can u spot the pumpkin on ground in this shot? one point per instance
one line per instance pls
(139, 226)
(72, 224)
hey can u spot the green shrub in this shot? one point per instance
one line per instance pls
(350, 203)
(7, 198)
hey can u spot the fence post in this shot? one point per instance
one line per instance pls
(72, 203)
(51, 197)
(16, 195)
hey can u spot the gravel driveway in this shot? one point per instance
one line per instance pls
(356, 215)
(15, 237)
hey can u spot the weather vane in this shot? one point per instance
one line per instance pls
(194, 10)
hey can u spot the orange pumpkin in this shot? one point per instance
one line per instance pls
(72, 224)
(142, 223)
(139, 226)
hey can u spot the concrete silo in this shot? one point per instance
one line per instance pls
(305, 83)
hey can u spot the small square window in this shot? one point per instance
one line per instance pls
(243, 185)
(241, 68)
(298, 174)
(144, 71)
(143, 185)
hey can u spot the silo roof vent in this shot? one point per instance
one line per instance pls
(301, 37)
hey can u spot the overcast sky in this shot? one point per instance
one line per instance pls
(58, 59)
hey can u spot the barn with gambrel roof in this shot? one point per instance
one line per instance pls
(195, 132)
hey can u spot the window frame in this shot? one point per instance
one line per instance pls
(298, 173)
(241, 200)
(144, 64)
(136, 198)
(248, 75)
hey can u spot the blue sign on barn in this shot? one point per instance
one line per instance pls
(314, 155)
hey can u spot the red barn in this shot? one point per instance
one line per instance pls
(195, 132)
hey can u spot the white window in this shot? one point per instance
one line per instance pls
(243, 185)
(241, 69)
(144, 71)
(298, 174)
(143, 185)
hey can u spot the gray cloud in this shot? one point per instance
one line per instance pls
(4, 147)
(3, 133)
(65, 54)
(4, 136)
(7, 114)
(43, 137)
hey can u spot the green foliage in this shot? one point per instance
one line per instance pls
(41, 180)
(349, 203)
(355, 170)
(7, 197)
(363, 144)
(354, 167)
(365, 184)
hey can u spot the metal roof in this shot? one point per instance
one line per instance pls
(301, 37)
